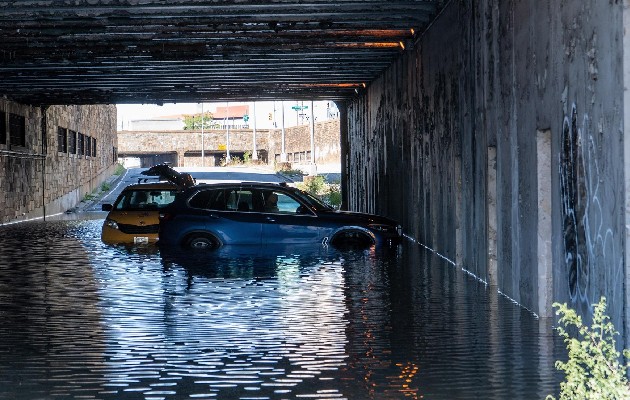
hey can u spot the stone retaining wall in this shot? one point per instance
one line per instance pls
(186, 145)
(38, 176)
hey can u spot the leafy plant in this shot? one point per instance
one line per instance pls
(328, 193)
(195, 121)
(105, 186)
(314, 185)
(593, 370)
(334, 196)
(120, 169)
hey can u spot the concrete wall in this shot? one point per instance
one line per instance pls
(37, 178)
(298, 142)
(497, 140)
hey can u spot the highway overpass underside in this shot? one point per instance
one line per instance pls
(497, 137)
(498, 140)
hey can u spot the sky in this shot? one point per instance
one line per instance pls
(128, 112)
(133, 111)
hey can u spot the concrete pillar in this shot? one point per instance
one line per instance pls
(283, 153)
(626, 166)
(545, 277)
(254, 148)
(313, 169)
(344, 150)
(459, 252)
(491, 198)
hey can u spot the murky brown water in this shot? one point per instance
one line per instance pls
(82, 320)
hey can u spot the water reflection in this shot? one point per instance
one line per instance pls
(85, 320)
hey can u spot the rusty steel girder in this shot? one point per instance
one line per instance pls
(157, 51)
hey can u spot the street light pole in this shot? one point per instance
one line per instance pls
(255, 154)
(203, 155)
(313, 165)
(283, 154)
(227, 118)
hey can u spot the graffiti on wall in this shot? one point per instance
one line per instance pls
(588, 242)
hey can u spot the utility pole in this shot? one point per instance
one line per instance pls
(255, 151)
(283, 154)
(227, 118)
(203, 155)
(313, 165)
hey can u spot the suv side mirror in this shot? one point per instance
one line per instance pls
(107, 207)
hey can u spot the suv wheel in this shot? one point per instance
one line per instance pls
(201, 242)
(353, 239)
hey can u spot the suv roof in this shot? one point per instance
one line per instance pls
(152, 185)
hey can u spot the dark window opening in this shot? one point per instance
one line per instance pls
(17, 130)
(93, 147)
(3, 127)
(62, 139)
(88, 146)
(72, 142)
(80, 144)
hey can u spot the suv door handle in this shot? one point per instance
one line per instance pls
(270, 219)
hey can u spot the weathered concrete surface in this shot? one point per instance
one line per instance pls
(38, 178)
(492, 74)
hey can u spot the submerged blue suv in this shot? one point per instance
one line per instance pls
(210, 216)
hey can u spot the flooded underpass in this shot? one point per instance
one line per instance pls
(83, 320)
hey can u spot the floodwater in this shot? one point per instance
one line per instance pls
(83, 320)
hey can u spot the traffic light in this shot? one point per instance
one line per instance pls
(270, 117)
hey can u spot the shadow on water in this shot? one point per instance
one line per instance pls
(85, 320)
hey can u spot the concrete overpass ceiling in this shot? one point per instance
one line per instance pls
(158, 51)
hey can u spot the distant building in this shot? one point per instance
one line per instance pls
(168, 123)
(236, 116)
(262, 115)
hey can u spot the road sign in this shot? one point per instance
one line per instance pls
(245, 117)
(298, 108)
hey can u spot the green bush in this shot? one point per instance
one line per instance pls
(593, 370)
(314, 186)
(334, 196)
(119, 169)
(328, 193)
(105, 186)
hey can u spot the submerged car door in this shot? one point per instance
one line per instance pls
(288, 221)
(230, 216)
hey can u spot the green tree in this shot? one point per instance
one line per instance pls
(194, 121)
(593, 370)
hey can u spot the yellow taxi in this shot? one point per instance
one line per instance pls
(133, 218)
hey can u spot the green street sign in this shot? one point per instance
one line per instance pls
(298, 108)
(245, 117)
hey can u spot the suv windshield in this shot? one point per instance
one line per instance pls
(145, 199)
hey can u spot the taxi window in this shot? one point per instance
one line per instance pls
(145, 199)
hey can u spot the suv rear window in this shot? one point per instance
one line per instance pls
(232, 199)
(145, 199)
